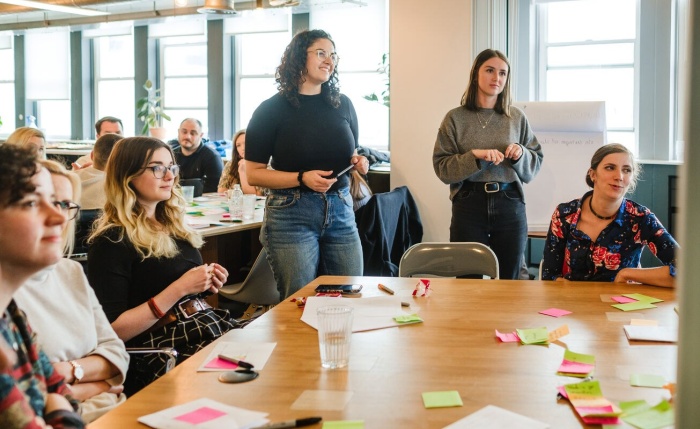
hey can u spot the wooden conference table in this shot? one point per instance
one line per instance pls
(454, 349)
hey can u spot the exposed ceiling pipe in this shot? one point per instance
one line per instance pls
(8, 8)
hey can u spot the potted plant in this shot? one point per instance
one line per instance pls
(151, 112)
(384, 97)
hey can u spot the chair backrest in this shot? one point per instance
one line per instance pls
(259, 286)
(197, 183)
(83, 227)
(449, 260)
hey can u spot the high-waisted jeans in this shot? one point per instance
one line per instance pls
(496, 219)
(307, 234)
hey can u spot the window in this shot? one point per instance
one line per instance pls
(257, 58)
(48, 81)
(7, 89)
(585, 62)
(114, 80)
(184, 80)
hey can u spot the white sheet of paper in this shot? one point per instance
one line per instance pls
(369, 313)
(493, 417)
(235, 418)
(651, 333)
(256, 354)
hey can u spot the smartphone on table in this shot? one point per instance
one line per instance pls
(346, 289)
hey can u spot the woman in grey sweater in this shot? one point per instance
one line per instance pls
(485, 150)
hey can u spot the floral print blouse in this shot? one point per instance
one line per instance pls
(572, 254)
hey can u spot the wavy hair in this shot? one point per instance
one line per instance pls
(292, 70)
(503, 101)
(21, 137)
(57, 169)
(123, 211)
(231, 168)
(17, 167)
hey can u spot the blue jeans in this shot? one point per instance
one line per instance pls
(497, 220)
(308, 234)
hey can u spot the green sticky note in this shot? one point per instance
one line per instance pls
(643, 298)
(579, 357)
(449, 398)
(584, 388)
(647, 380)
(634, 407)
(630, 306)
(533, 335)
(659, 416)
(408, 318)
(344, 424)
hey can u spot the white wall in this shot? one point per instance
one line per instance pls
(430, 45)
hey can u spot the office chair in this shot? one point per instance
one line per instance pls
(449, 260)
(197, 183)
(166, 355)
(258, 290)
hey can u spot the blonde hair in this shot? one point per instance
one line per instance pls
(57, 169)
(356, 182)
(21, 137)
(124, 212)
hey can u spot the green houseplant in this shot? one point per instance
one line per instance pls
(151, 112)
(383, 97)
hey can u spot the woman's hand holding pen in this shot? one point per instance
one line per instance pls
(514, 151)
(361, 164)
(318, 180)
(490, 155)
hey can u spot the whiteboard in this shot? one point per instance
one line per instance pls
(569, 132)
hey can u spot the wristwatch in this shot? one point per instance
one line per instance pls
(78, 371)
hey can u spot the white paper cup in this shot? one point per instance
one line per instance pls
(334, 332)
(249, 201)
(188, 193)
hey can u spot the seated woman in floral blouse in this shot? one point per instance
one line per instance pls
(600, 237)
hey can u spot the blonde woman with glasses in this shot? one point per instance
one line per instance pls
(70, 324)
(144, 262)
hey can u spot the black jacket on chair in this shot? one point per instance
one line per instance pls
(388, 225)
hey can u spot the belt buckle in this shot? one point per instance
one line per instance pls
(491, 187)
(184, 312)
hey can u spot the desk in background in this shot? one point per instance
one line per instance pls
(454, 349)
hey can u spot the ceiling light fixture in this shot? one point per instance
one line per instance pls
(220, 7)
(55, 7)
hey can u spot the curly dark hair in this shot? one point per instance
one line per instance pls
(17, 167)
(290, 73)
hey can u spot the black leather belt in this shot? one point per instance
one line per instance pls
(488, 187)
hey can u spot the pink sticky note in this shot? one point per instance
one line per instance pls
(217, 363)
(200, 415)
(562, 392)
(555, 312)
(575, 367)
(622, 299)
(507, 337)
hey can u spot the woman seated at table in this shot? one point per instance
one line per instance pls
(144, 262)
(70, 324)
(32, 393)
(234, 170)
(30, 137)
(600, 236)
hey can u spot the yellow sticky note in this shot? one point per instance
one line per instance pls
(449, 398)
(533, 335)
(344, 424)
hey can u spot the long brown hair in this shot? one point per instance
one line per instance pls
(469, 97)
(231, 169)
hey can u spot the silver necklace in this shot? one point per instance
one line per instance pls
(484, 124)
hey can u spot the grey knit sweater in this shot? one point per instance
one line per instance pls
(461, 131)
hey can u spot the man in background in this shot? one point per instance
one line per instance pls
(105, 125)
(92, 178)
(197, 160)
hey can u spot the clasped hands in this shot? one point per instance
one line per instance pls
(319, 180)
(514, 151)
(207, 277)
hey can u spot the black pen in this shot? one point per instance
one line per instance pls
(291, 423)
(240, 363)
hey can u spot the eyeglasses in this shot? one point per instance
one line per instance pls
(69, 208)
(322, 55)
(159, 170)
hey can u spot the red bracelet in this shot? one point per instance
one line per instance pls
(154, 308)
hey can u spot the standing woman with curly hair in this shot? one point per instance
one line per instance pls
(310, 131)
